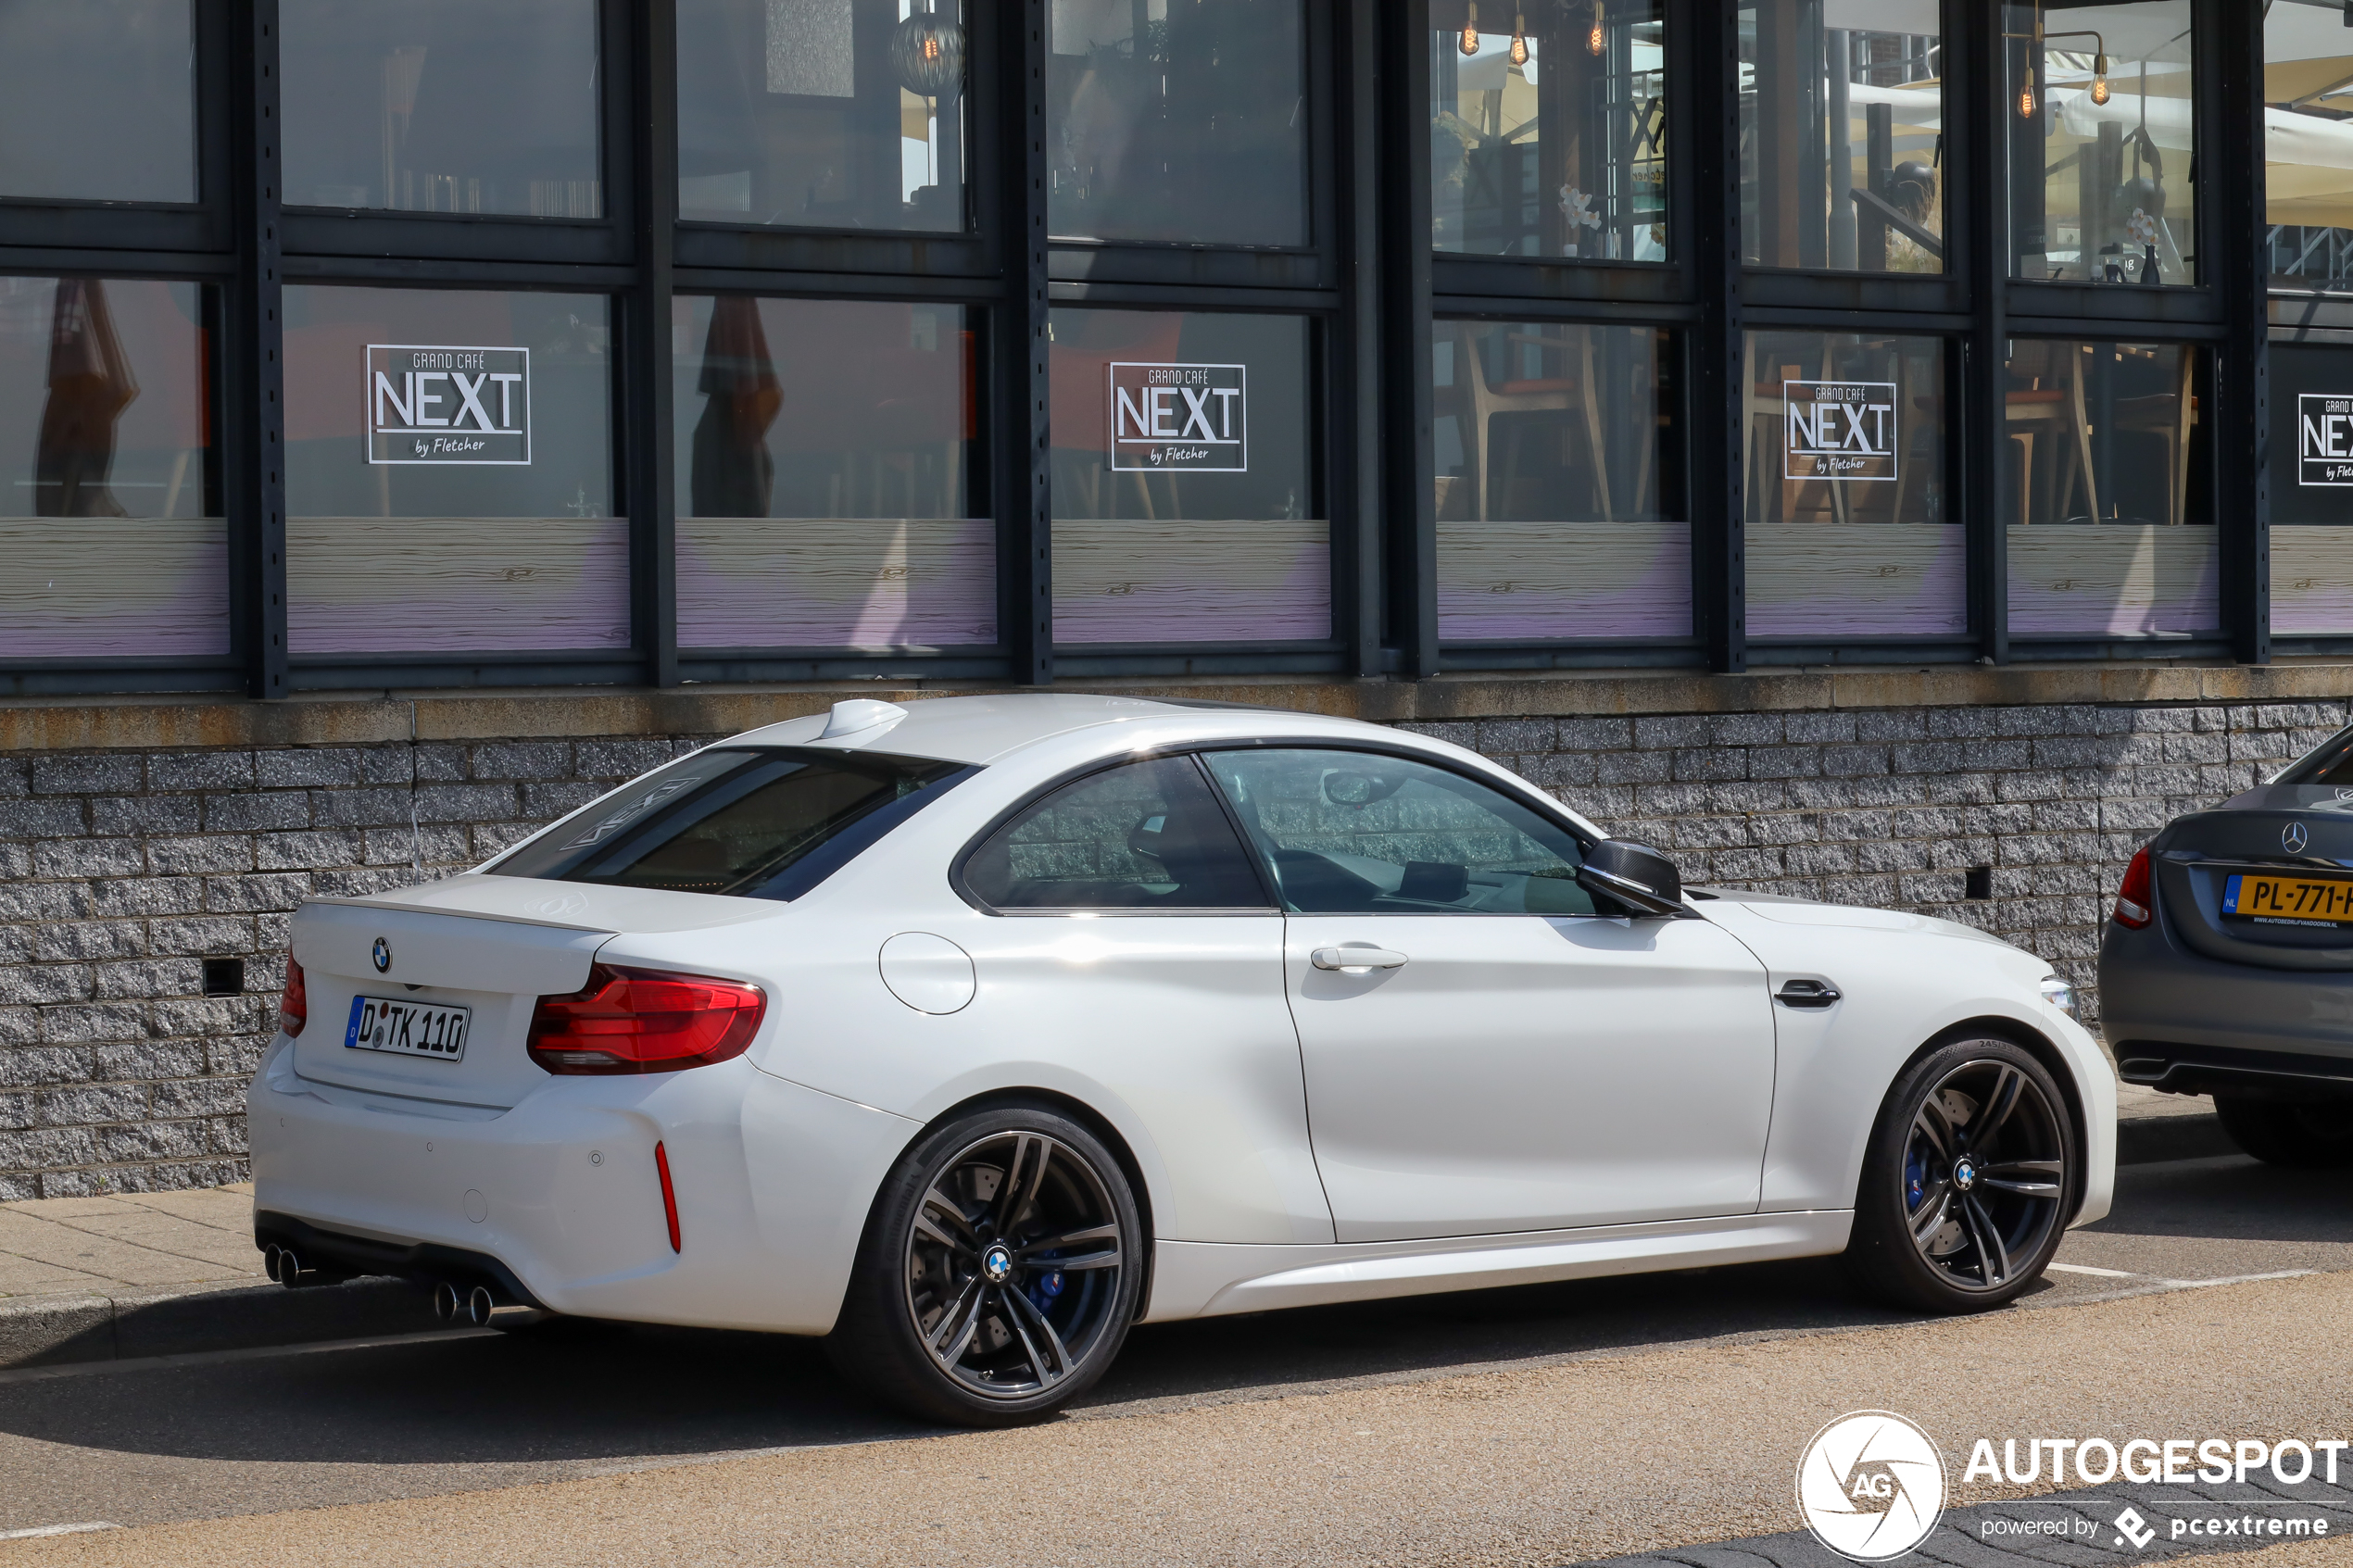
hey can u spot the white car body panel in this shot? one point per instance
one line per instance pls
(1697, 1122)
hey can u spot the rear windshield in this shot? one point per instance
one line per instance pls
(2331, 762)
(765, 822)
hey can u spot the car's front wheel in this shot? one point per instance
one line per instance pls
(1969, 1180)
(2308, 1137)
(998, 1271)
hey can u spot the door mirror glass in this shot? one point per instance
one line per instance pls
(1632, 875)
(1358, 833)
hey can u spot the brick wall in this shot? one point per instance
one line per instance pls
(120, 871)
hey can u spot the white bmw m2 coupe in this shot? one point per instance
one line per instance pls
(968, 1034)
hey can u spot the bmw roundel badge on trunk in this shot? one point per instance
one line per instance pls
(382, 955)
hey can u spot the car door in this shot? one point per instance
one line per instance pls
(1123, 924)
(1483, 1051)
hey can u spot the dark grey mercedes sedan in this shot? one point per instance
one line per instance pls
(2227, 965)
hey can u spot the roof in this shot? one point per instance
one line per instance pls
(973, 729)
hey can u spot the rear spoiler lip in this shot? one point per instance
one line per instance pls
(453, 914)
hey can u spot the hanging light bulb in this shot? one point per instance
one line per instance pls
(1519, 38)
(1597, 40)
(2099, 79)
(1468, 42)
(2026, 100)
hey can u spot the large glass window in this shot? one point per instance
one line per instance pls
(2312, 457)
(2308, 88)
(441, 106)
(1560, 483)
(1185, 508)
(2102, 128)
(110, 522)
(1842, 135)
(824, 475)
(2106, 482)
(1145, 837)
(1849, 534)
(844, 114)
(1552, 140)
(1183, 120)
(98, 100)
(1360, 833)
(448, 473)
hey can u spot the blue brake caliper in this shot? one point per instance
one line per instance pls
(1914, 1176)
(1043, 1286)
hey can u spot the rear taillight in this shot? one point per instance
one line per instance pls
(645, 1021)
(294, 1003)
(2132, 899)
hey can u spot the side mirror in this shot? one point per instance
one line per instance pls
(1634, 875)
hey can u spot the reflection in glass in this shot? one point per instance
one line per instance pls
(441, 106)
(1559, 463)
(98, 100)
(2307, 87)
(2102, 123)
(2311, 459)
(2106, 473)
(845, 114)
(1848, 530)
(1177, 120)
(1842, 135)
(825, 453)
(1549, 136)
(109, 490)
(448, 473)
(1183, 503)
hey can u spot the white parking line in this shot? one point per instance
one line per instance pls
(40, 1530)
(2087, 1269)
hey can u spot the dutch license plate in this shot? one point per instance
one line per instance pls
(381, 1023)
(2288, 898)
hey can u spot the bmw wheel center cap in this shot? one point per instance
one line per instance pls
(1965, 1172)
(997, 1262)
(382, 955)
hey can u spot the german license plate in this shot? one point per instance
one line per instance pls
(381, 1023)
(2288, 898)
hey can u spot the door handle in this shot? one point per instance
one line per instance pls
(1812, 994)
(1357, 960)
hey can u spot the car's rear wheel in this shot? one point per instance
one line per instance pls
(998, 1272)
(1969, 1180)
(2282, 1132)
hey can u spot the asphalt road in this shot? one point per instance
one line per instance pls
(1540, 1424)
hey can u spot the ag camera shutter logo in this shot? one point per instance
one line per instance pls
(1871, 1486)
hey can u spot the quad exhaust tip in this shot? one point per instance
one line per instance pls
(479, 1306)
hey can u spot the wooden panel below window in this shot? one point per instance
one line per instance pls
(112, 587)
(1825, 581)
(456, 585)
(2112, 580)
(1192, 581)
(836, 582)
(1532, 581)
(2312, 581)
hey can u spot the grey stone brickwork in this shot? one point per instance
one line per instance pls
(121, 870)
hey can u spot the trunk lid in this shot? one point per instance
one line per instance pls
(2293, 831)
(491, 945)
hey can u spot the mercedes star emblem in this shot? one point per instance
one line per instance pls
(2293, 838)
(382, 953)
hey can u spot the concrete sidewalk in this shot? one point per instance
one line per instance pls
(131, 1241)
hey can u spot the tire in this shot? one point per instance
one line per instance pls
(1015, 1226)
(1969, 1180)
(2310, 1137)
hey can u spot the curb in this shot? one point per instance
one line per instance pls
(2145, 1141)
(51, 1331)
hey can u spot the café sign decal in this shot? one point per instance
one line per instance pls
(1838, 430)
(1181, 418)
(440, 405)
(2323, 440)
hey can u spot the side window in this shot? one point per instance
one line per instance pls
(1362, 833)
(1146, 835)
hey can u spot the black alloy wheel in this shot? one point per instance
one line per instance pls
(1970, 1180)
(999, 1273)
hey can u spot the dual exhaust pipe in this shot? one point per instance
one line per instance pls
(285, 1267)
(457, 1306)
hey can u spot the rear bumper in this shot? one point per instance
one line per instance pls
(561, 1191)
(2186, 1024)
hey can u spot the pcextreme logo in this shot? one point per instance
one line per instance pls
(1871, 1486)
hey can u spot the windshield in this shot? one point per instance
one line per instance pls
(2331, 762)
(765, 822)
